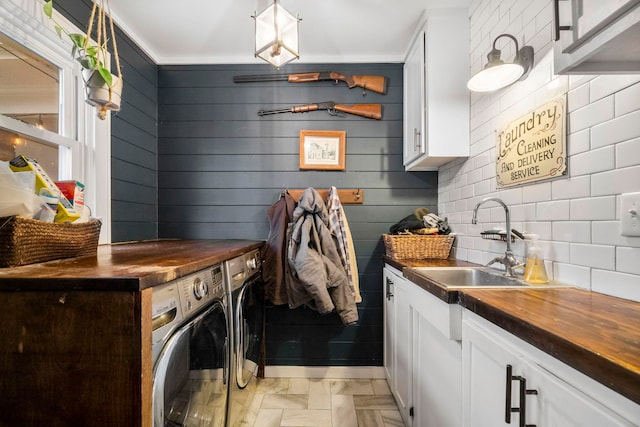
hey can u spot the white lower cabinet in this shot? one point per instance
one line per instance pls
(397, 337)
(544, 391)
(422, 353)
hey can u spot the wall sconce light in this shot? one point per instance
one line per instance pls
(276, 35)
(497, 73)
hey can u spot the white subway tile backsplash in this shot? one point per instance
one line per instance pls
(542, 229)
(553, 211)
(460, 205)
(523, 213)
(512, 196)
(572, 231)
(628, 153)
(619, 129)
(537, 193)
(481, 160)
(593, 209)
(572, 275)
(617, 284)
(616, 181)
(592, 161)
(606, 85)
(591, 115)
(628, 260)
(596, 256)
(479, 257)
(460, 181)
(576, 80)
(466, 191)
(488, 171)
(608, 233)
(571, 188)
(544, 18)
(556, 251)
(627, 100)
(481, 188)
(578, 98)
(535, 8)
(575, 215)
(474, 176)
(579, 142)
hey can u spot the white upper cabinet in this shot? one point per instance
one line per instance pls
(596, 36)
(436, 98)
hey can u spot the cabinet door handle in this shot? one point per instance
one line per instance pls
(416, 139)
(522, 410)
(389, 292)
(507, 401)
(556, 20)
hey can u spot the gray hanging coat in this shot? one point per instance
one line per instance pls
(320, 280)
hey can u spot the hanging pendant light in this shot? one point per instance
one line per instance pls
(497, 73)
(276, 35)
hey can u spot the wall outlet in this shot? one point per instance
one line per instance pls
(630, 214)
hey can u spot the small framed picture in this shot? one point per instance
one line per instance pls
(322, 149)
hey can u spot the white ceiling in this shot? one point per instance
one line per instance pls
(221, 31)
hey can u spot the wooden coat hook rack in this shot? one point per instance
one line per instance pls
(351, 196)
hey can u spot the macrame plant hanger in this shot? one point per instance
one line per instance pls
(112, 102)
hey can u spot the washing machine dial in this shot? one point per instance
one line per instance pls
(252, 264)
(200, 288)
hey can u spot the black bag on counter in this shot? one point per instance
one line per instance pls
(410, 222)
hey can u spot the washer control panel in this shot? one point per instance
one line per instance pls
(241, 268)
(252, 261)
(198, 289)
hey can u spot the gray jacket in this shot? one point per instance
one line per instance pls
(320, 281)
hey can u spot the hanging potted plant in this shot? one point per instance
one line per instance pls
(102, 88)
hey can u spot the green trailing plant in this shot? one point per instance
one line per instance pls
(89, 56)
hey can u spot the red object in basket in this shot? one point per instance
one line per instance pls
(73, 191)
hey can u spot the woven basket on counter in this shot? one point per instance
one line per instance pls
(415, 246)
(28, 241)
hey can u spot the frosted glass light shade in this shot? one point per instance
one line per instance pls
(276, 35)
(495, 77)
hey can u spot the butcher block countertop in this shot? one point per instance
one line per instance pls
(131, 266)
(597, 334)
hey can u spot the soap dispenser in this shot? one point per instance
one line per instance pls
(534, 270)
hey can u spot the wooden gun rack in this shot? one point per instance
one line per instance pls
(351, 196)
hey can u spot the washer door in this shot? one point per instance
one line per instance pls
(191, 375)
(249, 331)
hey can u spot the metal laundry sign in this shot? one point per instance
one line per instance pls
(533, 147)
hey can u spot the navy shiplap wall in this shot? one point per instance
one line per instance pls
(221, 166)
(134, 136)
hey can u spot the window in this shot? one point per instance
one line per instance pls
(42, 111)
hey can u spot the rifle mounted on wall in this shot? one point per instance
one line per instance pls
(370, 111)
(376, 84)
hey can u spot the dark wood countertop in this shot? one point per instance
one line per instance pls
(597, 334)
(131, 266)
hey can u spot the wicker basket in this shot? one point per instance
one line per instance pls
(415, 246)
(27, 241)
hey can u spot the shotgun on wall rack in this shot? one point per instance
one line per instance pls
(376, 84)
(370, 111)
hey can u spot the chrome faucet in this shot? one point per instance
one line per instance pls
(508, 260)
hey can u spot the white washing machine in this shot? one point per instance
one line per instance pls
(191, 350)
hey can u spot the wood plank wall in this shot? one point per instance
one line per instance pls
(221, 166)
(134, 136)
